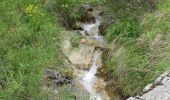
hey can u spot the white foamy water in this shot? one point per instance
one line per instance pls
(98, 38)
(89, 77)
(91, 28)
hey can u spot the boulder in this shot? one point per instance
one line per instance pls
(82, 55)
(87, 14)
(159, 90)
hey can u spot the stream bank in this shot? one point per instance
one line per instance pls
(87, 57)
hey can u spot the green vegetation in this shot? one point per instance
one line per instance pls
(69, 10)
(30, 37)
(30, 40)
(75, 38)
(140, 50)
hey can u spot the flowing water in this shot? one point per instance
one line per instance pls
(89, 78)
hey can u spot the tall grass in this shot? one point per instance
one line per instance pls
(29, 43)
(141, 51)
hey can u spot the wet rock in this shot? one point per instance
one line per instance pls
(102, 29)
(55, 78)
(77, 26)
(89, 41)
(87, 14)
(85, 59)
(82, 55)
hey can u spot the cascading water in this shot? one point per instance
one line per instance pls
(89, 78)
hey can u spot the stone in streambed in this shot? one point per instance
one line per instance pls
(91, 42)
(87, 14)
(82, 55)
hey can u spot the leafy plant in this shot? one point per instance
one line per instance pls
(75, 38)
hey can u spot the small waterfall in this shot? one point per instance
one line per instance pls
(87, 60)
(89, 77)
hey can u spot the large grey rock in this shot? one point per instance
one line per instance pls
(82, 55)
(160, 90)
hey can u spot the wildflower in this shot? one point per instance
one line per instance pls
(33, 10)
(28, 10)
